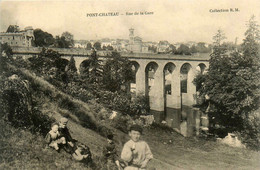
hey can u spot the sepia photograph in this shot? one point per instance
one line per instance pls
(130, 85)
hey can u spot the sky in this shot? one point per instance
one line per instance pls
(171, 20)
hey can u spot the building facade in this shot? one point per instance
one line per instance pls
(23, 38)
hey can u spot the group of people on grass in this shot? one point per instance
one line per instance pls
(135, 154)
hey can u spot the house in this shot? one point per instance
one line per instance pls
(22, 38)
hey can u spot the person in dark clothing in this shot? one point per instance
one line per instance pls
(69, 145)
(110, 154)
(82, 154)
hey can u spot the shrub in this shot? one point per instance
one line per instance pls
(251, 133)
(232, 86)
(17, 107)
(16, 101)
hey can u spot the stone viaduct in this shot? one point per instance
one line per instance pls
(166, 79)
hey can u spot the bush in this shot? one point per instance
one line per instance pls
(121, 122)
(16, 101)
(17, 107)
(232, 86)
(251, 133)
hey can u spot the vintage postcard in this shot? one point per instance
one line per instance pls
(128, 84)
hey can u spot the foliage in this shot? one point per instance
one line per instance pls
(6, 50)
(5, 55)
(71, 65)
(139, 105)
(152, 48)
(109, 47)
(17, 106)
(183, 50)
(172, 49)
(89, 46)
(69, 39)
(95, 69)
(220, 36)
(48, 62)
(117, 72)
(13, 28)
(250, 134)
(15, 101)
(43, 39)
(200, 48)
(232, 84)
(97, 45)
(60, 42)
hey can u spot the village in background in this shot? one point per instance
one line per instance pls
(29, 37)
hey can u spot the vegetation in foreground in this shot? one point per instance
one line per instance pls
(231, 88)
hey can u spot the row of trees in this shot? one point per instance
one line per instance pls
(45, 39)
(66, 40)
(108, 82)
(184, 49)
(97, 46)
(233, 87)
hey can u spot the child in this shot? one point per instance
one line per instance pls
(64, 132)
(136, 152)
(53, 137)
(110, 153)
(82, 154)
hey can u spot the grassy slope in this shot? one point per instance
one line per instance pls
(19, 149)
(182, 153)
(192, 153)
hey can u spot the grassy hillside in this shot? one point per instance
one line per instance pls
(22, 150)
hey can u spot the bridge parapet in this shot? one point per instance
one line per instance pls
(80, 52)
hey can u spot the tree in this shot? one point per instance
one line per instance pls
(68, 38)
(193, 49)
(109, 47)
(95, 70)
(219, 37)
(117, 73)
(13, 28)
(43, 39)
(152, 48)
(71, 65)
(104, 47)
(60, 42)
(172, 49)
(183, 50)
(5, 55)
(97, 46)
(89, 46)
(232, 84)
(201, 47)
(46, 60)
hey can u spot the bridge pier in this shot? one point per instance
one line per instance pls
(173, 101)
(140, 79)
(157, 96)
(191, 90)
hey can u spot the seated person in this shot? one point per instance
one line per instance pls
(64, 132)
(136, 153)
(53, 138)
(110, 153)
(82, 154)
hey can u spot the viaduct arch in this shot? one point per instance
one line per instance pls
(168, 83)
(166, 79)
